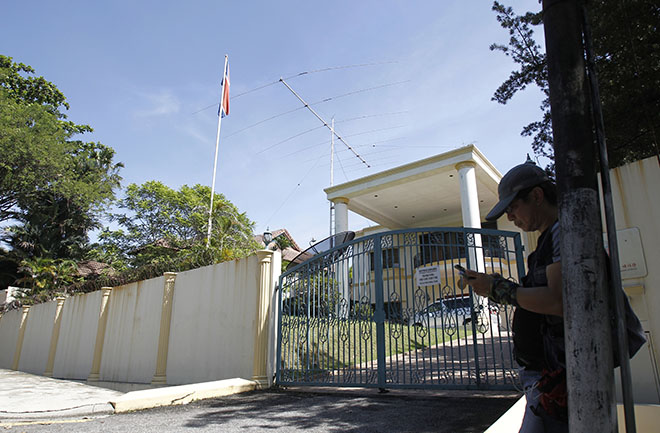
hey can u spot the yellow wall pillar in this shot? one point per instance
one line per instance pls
(21, 336)
(259, 365)
(94, 375)
(55, 336)
(160, 378)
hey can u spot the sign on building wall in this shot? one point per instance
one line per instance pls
(631, 253)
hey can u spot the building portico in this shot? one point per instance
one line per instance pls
(451, 189)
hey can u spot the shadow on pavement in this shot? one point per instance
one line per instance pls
(350, 412)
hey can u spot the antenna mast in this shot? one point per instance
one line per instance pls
(324, 122)
(332, 171)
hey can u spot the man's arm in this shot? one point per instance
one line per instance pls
(542, 299)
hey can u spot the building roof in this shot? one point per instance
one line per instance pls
(422, 193)
(91, 268)
(288, 250)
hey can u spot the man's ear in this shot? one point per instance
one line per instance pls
(538, 195)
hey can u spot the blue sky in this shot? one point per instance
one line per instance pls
(143, 74)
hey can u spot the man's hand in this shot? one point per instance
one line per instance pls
(480, 282)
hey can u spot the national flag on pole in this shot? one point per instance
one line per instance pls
(223, 110)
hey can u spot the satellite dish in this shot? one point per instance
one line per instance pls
(322, 246)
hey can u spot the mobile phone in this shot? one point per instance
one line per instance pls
(461, 270)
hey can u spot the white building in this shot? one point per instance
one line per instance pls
(458, 188)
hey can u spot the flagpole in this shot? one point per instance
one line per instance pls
(217, 143)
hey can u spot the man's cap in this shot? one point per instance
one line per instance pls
(520, 177)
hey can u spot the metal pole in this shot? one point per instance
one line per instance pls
(332, 153)
(332, 168)
(615, 267)
(590, 377)
(215, 160)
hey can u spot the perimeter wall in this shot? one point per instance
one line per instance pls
(211, 323)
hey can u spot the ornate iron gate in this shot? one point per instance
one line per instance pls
(385, 311)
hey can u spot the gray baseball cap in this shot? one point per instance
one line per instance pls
(520, 177)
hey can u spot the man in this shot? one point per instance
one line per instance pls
(529, 198)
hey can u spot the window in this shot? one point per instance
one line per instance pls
(390, 257)
(491, 243)
(440, 246)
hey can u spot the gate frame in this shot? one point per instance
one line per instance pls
(379, 312)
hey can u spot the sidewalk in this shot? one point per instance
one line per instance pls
(26, 396)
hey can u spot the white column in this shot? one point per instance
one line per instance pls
(469, 195)
(472, 219)
(340, 270)
(341, 214)
(470, 210)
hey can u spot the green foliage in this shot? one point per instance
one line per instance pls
(51, 184)
(315, 293)
(627, 49)
(46, 277)
(282, 242)
(56, 225)
(51, 227)
(161, 224)
(627, 56)
(32, 144)
(32, 90)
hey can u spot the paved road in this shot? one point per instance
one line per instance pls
(296, 410)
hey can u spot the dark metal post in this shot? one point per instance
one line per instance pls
(615, 266)
(379, 313)
(588, 345)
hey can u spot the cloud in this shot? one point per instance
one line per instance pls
(161, 103)
(200, 133)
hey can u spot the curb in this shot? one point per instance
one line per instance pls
(93, 409)
(181, 394)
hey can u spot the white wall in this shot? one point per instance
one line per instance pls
(637, 205)
(131, 335)
(212, 328)
(75, 347)
(9, 324)
(213, 322)
(36, 343)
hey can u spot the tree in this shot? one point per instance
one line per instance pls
(627, 60)
(46, 276)
(162, 224)
(56, 225)
(32, 145)
(53, 185)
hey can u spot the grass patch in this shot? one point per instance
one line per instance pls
(329, 344)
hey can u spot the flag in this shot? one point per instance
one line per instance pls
(224, 101)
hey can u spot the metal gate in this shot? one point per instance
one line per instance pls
(385, 311)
